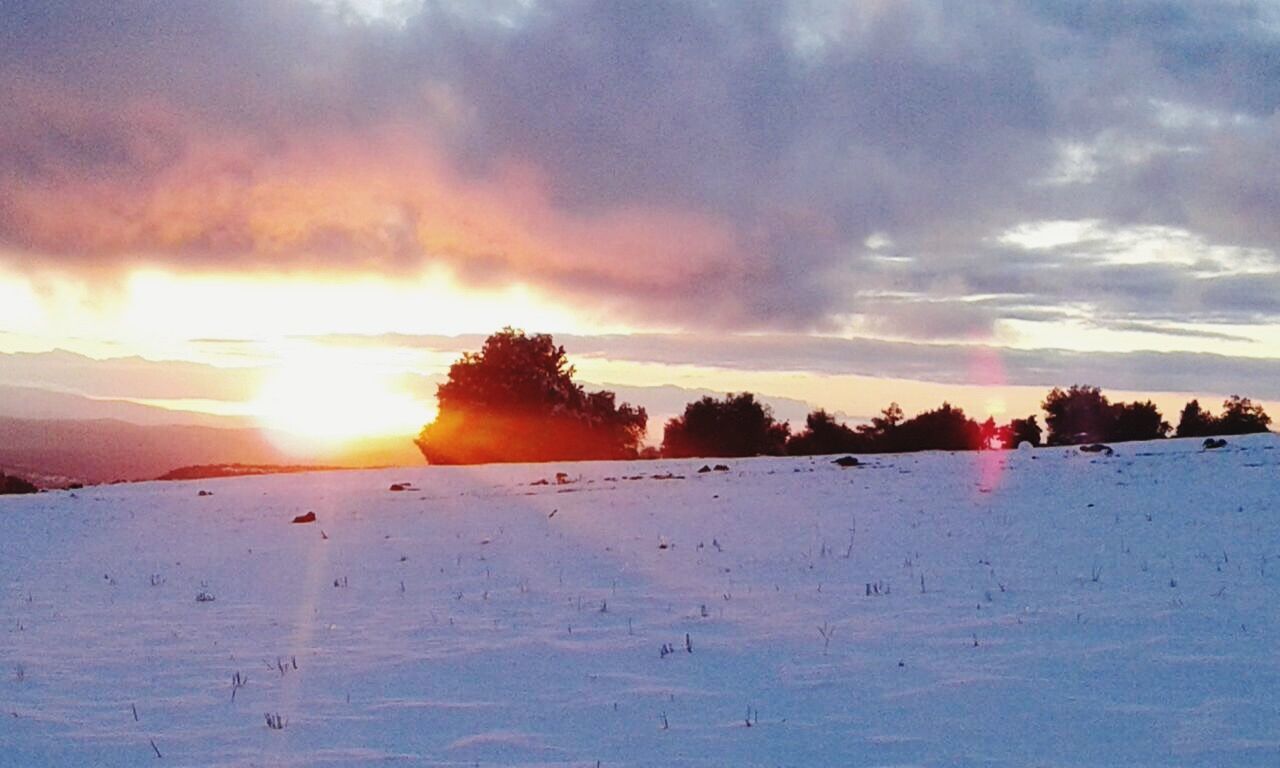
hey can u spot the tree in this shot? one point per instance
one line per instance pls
(823, 435)
(881, 434)
(1195, 422)
(1138, 421)
(1081, 414)
(1240, 416)
(738, 425)
(942, 429)
(515, 400)
(988, 434)
(1019, 431)
(888, 419)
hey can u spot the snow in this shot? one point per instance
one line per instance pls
(1075, 611)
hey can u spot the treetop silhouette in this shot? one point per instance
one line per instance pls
(515, 400)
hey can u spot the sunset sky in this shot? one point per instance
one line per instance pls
(299, 212)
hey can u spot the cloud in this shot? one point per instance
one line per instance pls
(943, 363)
(678, 165)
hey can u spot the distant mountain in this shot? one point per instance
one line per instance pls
(128, 377)
(105, 450)
(56, 438)
(54, 434)
(56, 452)
(36, 403)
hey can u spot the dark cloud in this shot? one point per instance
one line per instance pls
(1170, 330)
(1225, 52)
(697, 164)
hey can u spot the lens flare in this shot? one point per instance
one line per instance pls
(986, 368)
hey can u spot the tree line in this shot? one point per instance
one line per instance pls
(515, 400)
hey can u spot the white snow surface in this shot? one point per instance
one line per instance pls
(1022, 608)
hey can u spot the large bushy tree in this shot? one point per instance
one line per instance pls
(1081, 414)
(1241, 416)
(1138, 421)
(1195, 421)
(738, 425)
(515, 400)
(943, 429)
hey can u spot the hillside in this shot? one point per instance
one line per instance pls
(37, 403)
(54, 452)
(105, 450)
(1041, 607)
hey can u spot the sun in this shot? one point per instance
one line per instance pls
(335, 398)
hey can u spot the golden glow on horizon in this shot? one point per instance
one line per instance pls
(246, 306)
(325, 391)
(156, 313)
(335, 397)
(20, 307)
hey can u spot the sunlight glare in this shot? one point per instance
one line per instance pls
(172, 305)
(336, 397)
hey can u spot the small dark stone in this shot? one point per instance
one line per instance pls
(1102, 448)
(704, 469)
(310, 517)
(1213, 443)
(846, 461)
(721, 467)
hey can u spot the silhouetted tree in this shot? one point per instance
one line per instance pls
(822, 435)
(988, 434)
(738, 425)
(942, 429)
(1019, 431)
(945, 428)
(889, 418)
(1240, 416)
(515, 400)
(881, 434)
(1081, 414)
(1195, 422)
(1137, 421)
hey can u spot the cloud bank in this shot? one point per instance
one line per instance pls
(755, 165)
(945, 363)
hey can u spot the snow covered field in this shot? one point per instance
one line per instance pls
(1042, 608)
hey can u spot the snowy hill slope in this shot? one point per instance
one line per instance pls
(1018, 608)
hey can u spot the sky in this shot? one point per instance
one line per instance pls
(834, 204)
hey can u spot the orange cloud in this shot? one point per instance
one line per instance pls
(378, 201)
